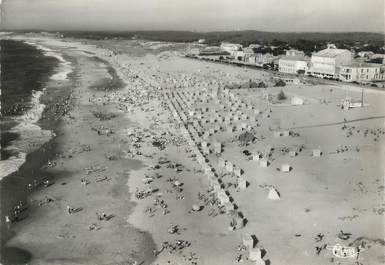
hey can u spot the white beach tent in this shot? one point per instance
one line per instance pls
(273, 194)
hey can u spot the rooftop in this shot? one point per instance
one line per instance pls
(361, 64)
(295, 58)
(330, 52)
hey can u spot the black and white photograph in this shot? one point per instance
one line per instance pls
(205, 132)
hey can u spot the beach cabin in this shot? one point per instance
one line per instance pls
(317, 152)
(237, 172)
(263, 162)
(206, 150)
(293, 153)
(285, 168)
(229, 167)
(208, 170)
(285, 133)
(217, 148)
(248, 241)
(277, 134)
(230, 129)
(221, 162)
(229, 207)
(222, 197)
(256, 157)
(216, 187)
(237, 221)
(255, 254)
(242, 183)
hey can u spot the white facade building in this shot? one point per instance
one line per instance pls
(293, 52)
(261, 59)
(362, 72)
(293, 64)
(326, 63)
(231, 48)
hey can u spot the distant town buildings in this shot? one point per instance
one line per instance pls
(293, 64)
(326, 63)
(293, 52)
(362, 72)
(261, 59)
(231, 48)
(365, 54)
(332, 63)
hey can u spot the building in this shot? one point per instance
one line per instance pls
(212, 50)
(326, 63)
(231, 47)
(261, 59)
(362, 72)
(255, 46)
(365, 54)
(239, 55)
(249, 52)
(293, 52)
(377, 58)
(293, 64)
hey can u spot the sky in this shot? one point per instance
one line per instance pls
(196, 15)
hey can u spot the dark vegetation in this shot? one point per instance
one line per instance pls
(281, 95)
(304, 41)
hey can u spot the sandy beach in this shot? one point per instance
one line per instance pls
(156, 159)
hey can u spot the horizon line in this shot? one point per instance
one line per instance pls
(191, 31)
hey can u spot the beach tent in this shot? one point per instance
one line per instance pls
(273, 194)
(293, 153)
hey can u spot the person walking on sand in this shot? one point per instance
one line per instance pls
(8, 221)
(69, 209)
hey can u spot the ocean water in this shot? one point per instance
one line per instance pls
(25, 71)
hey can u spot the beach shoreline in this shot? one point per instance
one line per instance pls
(140, 190)
(36, 168)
